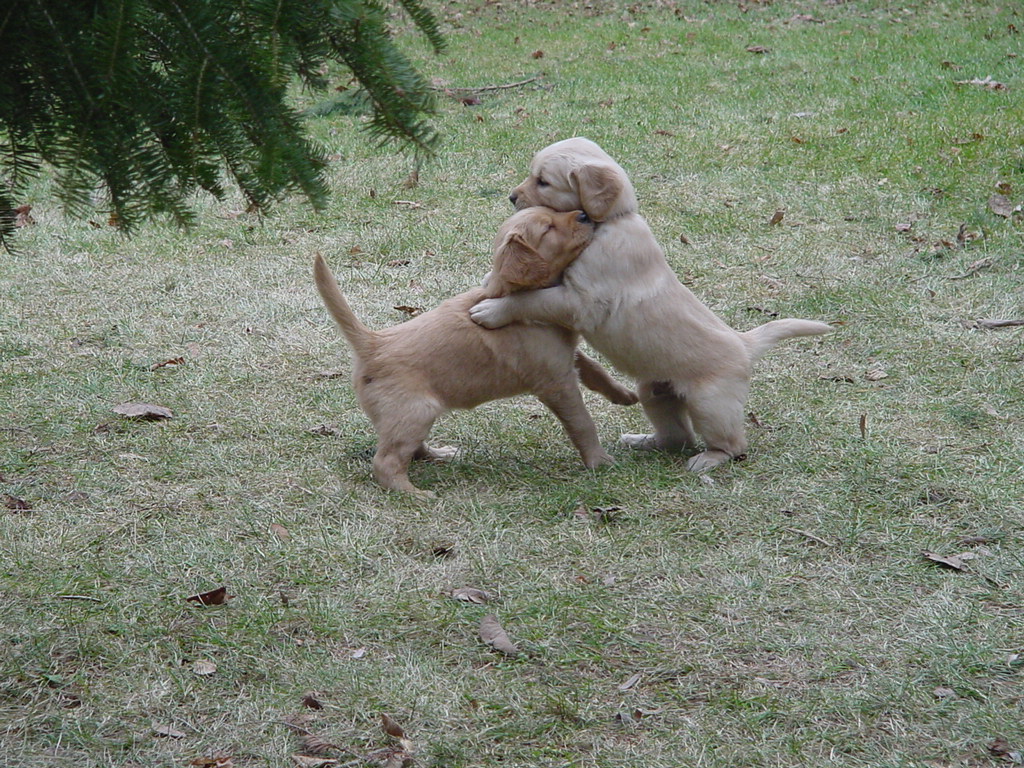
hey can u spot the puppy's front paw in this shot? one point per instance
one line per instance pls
(599, 459)
(490, 313)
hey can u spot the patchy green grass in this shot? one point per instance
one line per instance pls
(779, 615)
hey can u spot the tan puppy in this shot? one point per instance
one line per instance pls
(692, 370)
(408, 375)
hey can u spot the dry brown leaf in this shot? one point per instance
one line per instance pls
(390, 727)
(758, 49)
(397, 759)
(986, 82)
(311, 701)
(471, 595)
(166, 731)
(991, 323)
(863, 424)
(23, 216)
(213, 762)
(15, 504)
(143, 411)
(875, 374)
(203, 667)
(217, 596)
(1001, 205)
(1000, 747)
(942, 692)
(166, 363)
(411, 311)
(305, 761)
(537, 54)
(776, 218)
(313, 745)
(280, 531)
(631, 682)
(492, 633)
(325, 430)
(956, 562)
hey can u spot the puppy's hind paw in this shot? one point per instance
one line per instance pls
(638, 442)
(707, 460)
(438, 453)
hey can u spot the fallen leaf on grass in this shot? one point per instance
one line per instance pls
(204, 668)
(1001, 205)
(213, 762)
(15, 504)
(324, 430)
(166, 363)
(217, 596)
(875, 374)
(305, 761)
(492, 633)
(411, 311)
(311, 701)
(312, 744)
(942, 692)
(23, 216)
(167, 731)
(985, 82)
(537, 54)
(776, 218)
(956, 562)
(990, 323)
(280, 531)
(758, 49)
(631, 682)
(973, 269)
(1001, 748)
(143, 411)
(471, 595)
(390, 727)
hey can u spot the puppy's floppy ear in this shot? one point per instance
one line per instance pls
(598, 187)
(519, 265)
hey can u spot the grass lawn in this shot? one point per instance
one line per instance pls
(778, 612)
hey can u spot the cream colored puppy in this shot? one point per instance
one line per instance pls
(692, 370)
(406, 376)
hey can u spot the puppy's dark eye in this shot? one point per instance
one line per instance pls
(541, 182)
(582, 218)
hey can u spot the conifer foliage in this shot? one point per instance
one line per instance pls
(148, 101)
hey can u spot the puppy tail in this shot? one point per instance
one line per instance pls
(358, 335)
(759, 340)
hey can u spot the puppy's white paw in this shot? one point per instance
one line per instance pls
(490, 313)
(439, 453)
(638, 442)
(702, 462)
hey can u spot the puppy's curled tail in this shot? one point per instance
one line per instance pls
(358, 335)
(759, 340)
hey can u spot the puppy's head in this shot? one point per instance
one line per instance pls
(576, 173)
(534, 246)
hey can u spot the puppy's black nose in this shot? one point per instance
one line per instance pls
(512, 198)
(583, 218)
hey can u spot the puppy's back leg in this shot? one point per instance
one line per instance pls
(669, 416)
(402, 432)
(567, 404)
(716, 408)
(594, 377)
